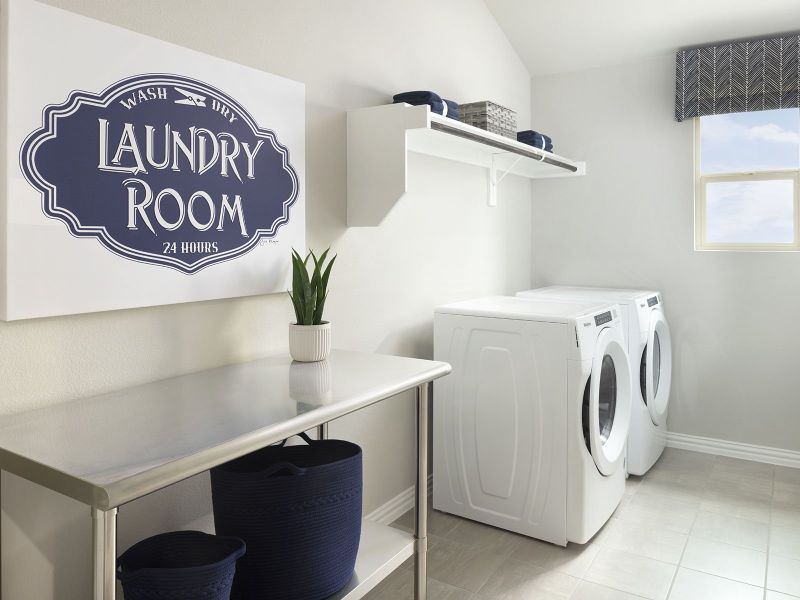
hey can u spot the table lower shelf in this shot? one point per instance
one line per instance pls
(382, 550)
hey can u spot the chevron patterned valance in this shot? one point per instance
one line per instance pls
(738, 77)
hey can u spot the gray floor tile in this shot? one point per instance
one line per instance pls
(787, 494)
(517, 580)
(400, 586)
(631, 573)
(732, 530)
(632, 484)
(785, 516)
(772, 595)
(685, 458)
(785, 541)
(724, 560)
(737, 468)
(472, 533)
(693, 585)
(715, 516)
(741, 486)
(688, 493)
(573, 560)
(626, 499)
(461, 565)
(787, 475)
(754, 509)
(658, 511)
(650, 541)
(783, 575)
(593, 591)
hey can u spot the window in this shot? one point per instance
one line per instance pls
(747, 173)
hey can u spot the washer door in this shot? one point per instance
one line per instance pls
(657, 362)
(609, 402)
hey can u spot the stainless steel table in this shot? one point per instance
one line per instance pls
(111, 449)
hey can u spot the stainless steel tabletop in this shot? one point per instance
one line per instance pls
(110, 449)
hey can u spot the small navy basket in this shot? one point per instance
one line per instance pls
(186, 565)
(298, 508)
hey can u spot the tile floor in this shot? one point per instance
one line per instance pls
(696, 527)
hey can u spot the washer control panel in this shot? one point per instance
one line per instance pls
(603, 318)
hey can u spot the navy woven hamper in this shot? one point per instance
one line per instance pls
(182, 565)
(298, 508)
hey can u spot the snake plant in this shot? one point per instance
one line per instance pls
(309, 291)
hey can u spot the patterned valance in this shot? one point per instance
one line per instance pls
(738, 77)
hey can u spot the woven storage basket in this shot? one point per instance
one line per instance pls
(490, 117)
(298, 508)
(181, 565)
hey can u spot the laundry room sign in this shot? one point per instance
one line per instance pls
(161, 169)
(161, 176)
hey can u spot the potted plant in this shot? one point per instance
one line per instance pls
(310, 336)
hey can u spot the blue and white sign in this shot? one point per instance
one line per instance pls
(161, 169)
(136, 172)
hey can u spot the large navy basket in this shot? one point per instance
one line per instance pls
(298, 508)
(185, 565)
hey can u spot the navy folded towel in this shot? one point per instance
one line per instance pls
(530, 135)
(536, 139)
(432, 99)
(452, 109)
(418, 97)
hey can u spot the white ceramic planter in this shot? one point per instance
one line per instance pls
(310, 343)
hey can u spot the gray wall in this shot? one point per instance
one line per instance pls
(441, 243)
(629, 223)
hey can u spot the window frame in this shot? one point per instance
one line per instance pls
(700, 183)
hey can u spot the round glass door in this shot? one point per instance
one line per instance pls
(656, 368)
(607, 403)
(608, 397)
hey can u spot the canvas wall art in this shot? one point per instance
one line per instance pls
(136, 172)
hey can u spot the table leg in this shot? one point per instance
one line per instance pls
(104, 553)
(421, 496)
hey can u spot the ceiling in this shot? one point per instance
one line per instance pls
(556, 36)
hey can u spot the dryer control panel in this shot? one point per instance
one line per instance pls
(589, 327)
(645, 305)
(651, 300)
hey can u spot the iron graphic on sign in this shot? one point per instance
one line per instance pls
(161, 169)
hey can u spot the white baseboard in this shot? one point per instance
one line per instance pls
(763, 454)
(404, 501)
(397, 506)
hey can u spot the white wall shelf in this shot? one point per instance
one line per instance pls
(379, 139)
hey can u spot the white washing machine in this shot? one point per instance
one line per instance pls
(530, 427)
(650, 350)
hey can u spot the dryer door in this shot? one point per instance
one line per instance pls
(609, 402)
(658, 368)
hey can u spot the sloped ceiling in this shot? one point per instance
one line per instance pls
(556, 36)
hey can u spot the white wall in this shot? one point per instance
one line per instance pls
(440, 244)
(629, 223)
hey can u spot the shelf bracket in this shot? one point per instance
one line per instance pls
(494, 180)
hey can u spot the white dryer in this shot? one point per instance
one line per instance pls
(650, 350)
(530, 427)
